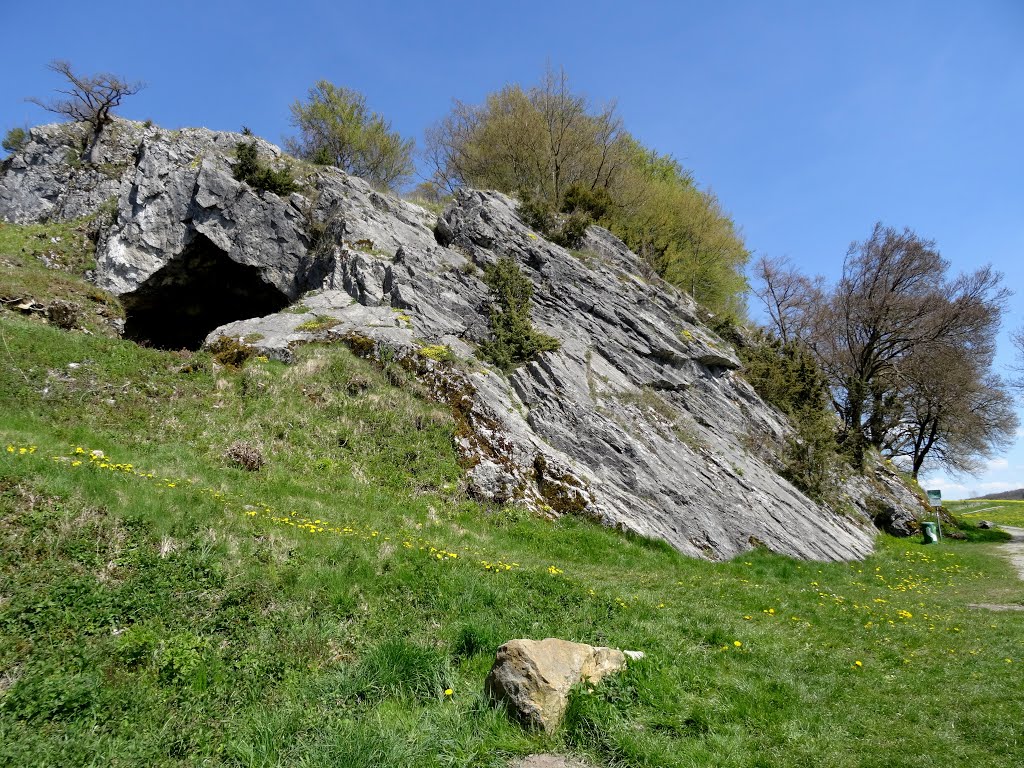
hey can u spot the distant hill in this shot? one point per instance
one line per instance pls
(1017, 495)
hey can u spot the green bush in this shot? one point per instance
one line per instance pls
(596, 202)
(564, 230)
(787, 376)
(250, 170)
(571, 230)
(230, 352)
(514, 340)
(537, 214)
(15, 139)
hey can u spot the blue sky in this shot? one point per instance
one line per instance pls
(810, 120)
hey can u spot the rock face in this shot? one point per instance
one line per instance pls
(533, 678)
(896, 522)
(639, 420)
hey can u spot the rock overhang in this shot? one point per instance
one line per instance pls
(638, 417)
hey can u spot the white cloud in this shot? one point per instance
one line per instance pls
(998, 487)
(995, 464)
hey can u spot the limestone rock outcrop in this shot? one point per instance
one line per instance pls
(640, 420)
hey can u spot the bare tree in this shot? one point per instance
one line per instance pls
(1018, 342)
(894, 297)
(788, 296)
(953, 411)
(89, 98)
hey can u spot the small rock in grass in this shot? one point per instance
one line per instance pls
(549, 761)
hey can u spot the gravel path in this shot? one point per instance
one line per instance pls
(1015, 548)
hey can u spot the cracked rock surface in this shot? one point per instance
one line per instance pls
(640, 420)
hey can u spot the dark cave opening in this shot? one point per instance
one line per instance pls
(195, 292)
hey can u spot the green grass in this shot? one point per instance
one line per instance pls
(1000, 512)
(181, 611)
(43, 262)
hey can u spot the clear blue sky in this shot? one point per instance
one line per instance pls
(810, 120)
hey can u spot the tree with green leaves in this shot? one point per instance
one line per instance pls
(681, 231)
(535, 142)
(572, 163)
(337, 128)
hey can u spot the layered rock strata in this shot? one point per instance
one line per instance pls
(640, 420)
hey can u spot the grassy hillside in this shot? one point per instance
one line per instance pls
(1002, 512)
(340, 606)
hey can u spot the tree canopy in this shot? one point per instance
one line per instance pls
(907, 349)
(337, 128)
(567, 157)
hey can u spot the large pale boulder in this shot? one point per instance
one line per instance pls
(534, 677)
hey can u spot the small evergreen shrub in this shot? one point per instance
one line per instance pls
(15, 139)
(514, 340)
(536, 214)
(571, 229)
(787, 376)
(252, 171)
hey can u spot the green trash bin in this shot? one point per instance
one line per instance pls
(929, 532)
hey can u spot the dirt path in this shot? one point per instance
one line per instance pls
(1014, 550)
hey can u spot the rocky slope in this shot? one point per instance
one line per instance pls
(639, 420)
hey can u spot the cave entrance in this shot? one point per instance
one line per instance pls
(195, 292)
